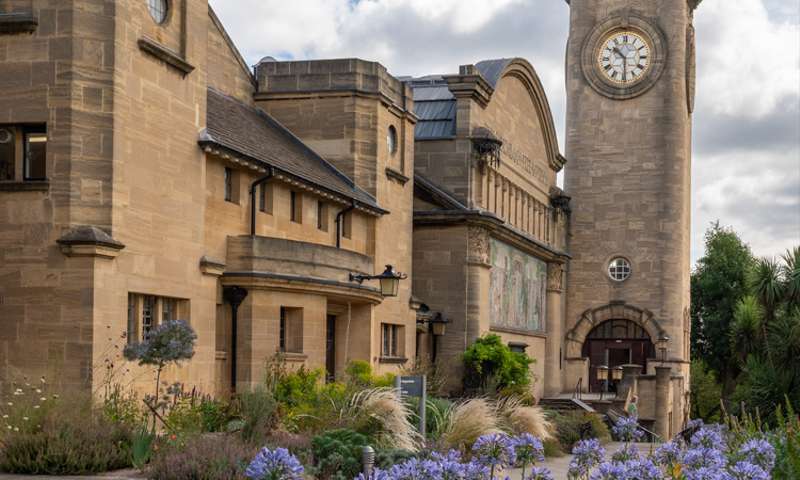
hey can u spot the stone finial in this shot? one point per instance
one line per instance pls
(89, 241)
(211, 266)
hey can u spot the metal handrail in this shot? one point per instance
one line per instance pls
(578, 387)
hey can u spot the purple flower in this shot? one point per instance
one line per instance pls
(702, 457)
(276, 464)
(668, 454)
(759, 452)
(707, 473)
(608, 471)
(748, 471)
(528, 449)
(627, 429)
(626, 453)
(539, 473)
(586, 455)
(709, 438)
(494, 450)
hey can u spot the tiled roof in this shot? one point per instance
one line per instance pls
(253, 133)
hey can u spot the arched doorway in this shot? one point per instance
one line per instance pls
(614, 343)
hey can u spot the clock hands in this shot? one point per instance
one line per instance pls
(624, 63)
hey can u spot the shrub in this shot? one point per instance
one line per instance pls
(467, 421)
(337, 454)
(75, 446)
(491, 366)
(571, 427)
(257, 413)
(203, 457)
(359, 374)
(382, 416)
(518, 418)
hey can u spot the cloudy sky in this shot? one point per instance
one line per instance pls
(746, 164)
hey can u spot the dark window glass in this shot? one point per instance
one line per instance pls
(7, 157)
(228, 185)
(262, 198)
(296, 214)
(282, 332)
(391, 334)
(35, 155)
(322, 216)
(148, 315)
(132, 314)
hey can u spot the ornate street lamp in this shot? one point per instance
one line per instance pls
(602, 375)
(389, 280)
(616, 373)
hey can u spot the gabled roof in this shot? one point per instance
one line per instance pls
(252, 133)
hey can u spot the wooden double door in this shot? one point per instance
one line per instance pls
(614, 353)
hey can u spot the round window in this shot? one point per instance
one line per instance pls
(5, 135)
(159, 10)
(619, 269)
(391, 139)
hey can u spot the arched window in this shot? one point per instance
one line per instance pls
(618, 329)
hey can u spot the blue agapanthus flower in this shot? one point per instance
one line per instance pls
(586, 455)
(528, 449)
(276, 464)
(708, 437)
(627, 429)
(627, 453)
(494, 450)
(748, 471)
(668, 454)
(758, 452)
(539, 473)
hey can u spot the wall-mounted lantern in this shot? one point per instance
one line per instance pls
(389, 280)
(616, 373)
(662, 348)
(602, 372)
(438, 324)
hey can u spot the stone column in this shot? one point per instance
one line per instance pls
(662, 409)
(629, 374)
(554, 328)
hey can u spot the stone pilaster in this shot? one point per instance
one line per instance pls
(554, 329)
(663, 409)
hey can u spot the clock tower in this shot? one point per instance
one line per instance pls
(630, 88)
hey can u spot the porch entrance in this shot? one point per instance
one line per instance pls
(614, 343)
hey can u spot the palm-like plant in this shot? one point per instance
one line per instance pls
(747, 332)
(767, 284)
(791, 276)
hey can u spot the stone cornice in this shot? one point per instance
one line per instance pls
(469, 83)
(89, 241)
(496, 227)
(303, 284)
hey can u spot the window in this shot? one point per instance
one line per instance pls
(322, 215)
(159, 10)
(228, 184)
(7, 155)
(146, 312)
(347, 225)
(391, 139)
(265, 198)
(619, 269)
(391, 340)
(296, 206)
(290, 335)
(35, 154)
(517, 347)
(23, 153)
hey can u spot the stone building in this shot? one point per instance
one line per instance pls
(147, 173)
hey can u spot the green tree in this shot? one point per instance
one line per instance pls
(718, 283)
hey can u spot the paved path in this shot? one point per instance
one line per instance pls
(559, 465)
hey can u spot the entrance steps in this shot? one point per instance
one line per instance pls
(561, 404)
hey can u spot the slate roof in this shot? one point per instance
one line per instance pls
(435, 105)
(254, 134)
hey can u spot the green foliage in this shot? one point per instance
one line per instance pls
(257, 409)
(337, 454)
(572, 427)
(791, 275)
(718, 282)
(359, 374)
(216, 457)
(746, 333)
(491, 366)
(552, 448)
(384, 459)
(706, 393)
(73, 445)
(121, 406)
(786, 440)
(766, 283)
(141, 448)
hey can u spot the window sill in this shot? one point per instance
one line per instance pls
(396, 175)
(166, 55)
(294, 356)
(394, 360)
(11, 23)
(26, 186)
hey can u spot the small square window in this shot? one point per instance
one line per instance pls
(265, 198)
(296, 206)
(391, 343)
(322, 215)
(228, 185)
(347, 225)
(146, 312)
(290, 330)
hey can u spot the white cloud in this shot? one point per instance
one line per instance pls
(746, 167)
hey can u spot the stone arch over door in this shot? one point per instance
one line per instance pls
(592, 317)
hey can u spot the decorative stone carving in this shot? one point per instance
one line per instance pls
(555, 277)
(478, 245)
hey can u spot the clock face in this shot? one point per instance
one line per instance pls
(624, 57)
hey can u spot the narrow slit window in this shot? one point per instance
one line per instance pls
(228, 184)
(7, 153)
(296, 206)
(322, 215)
(35, 160)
